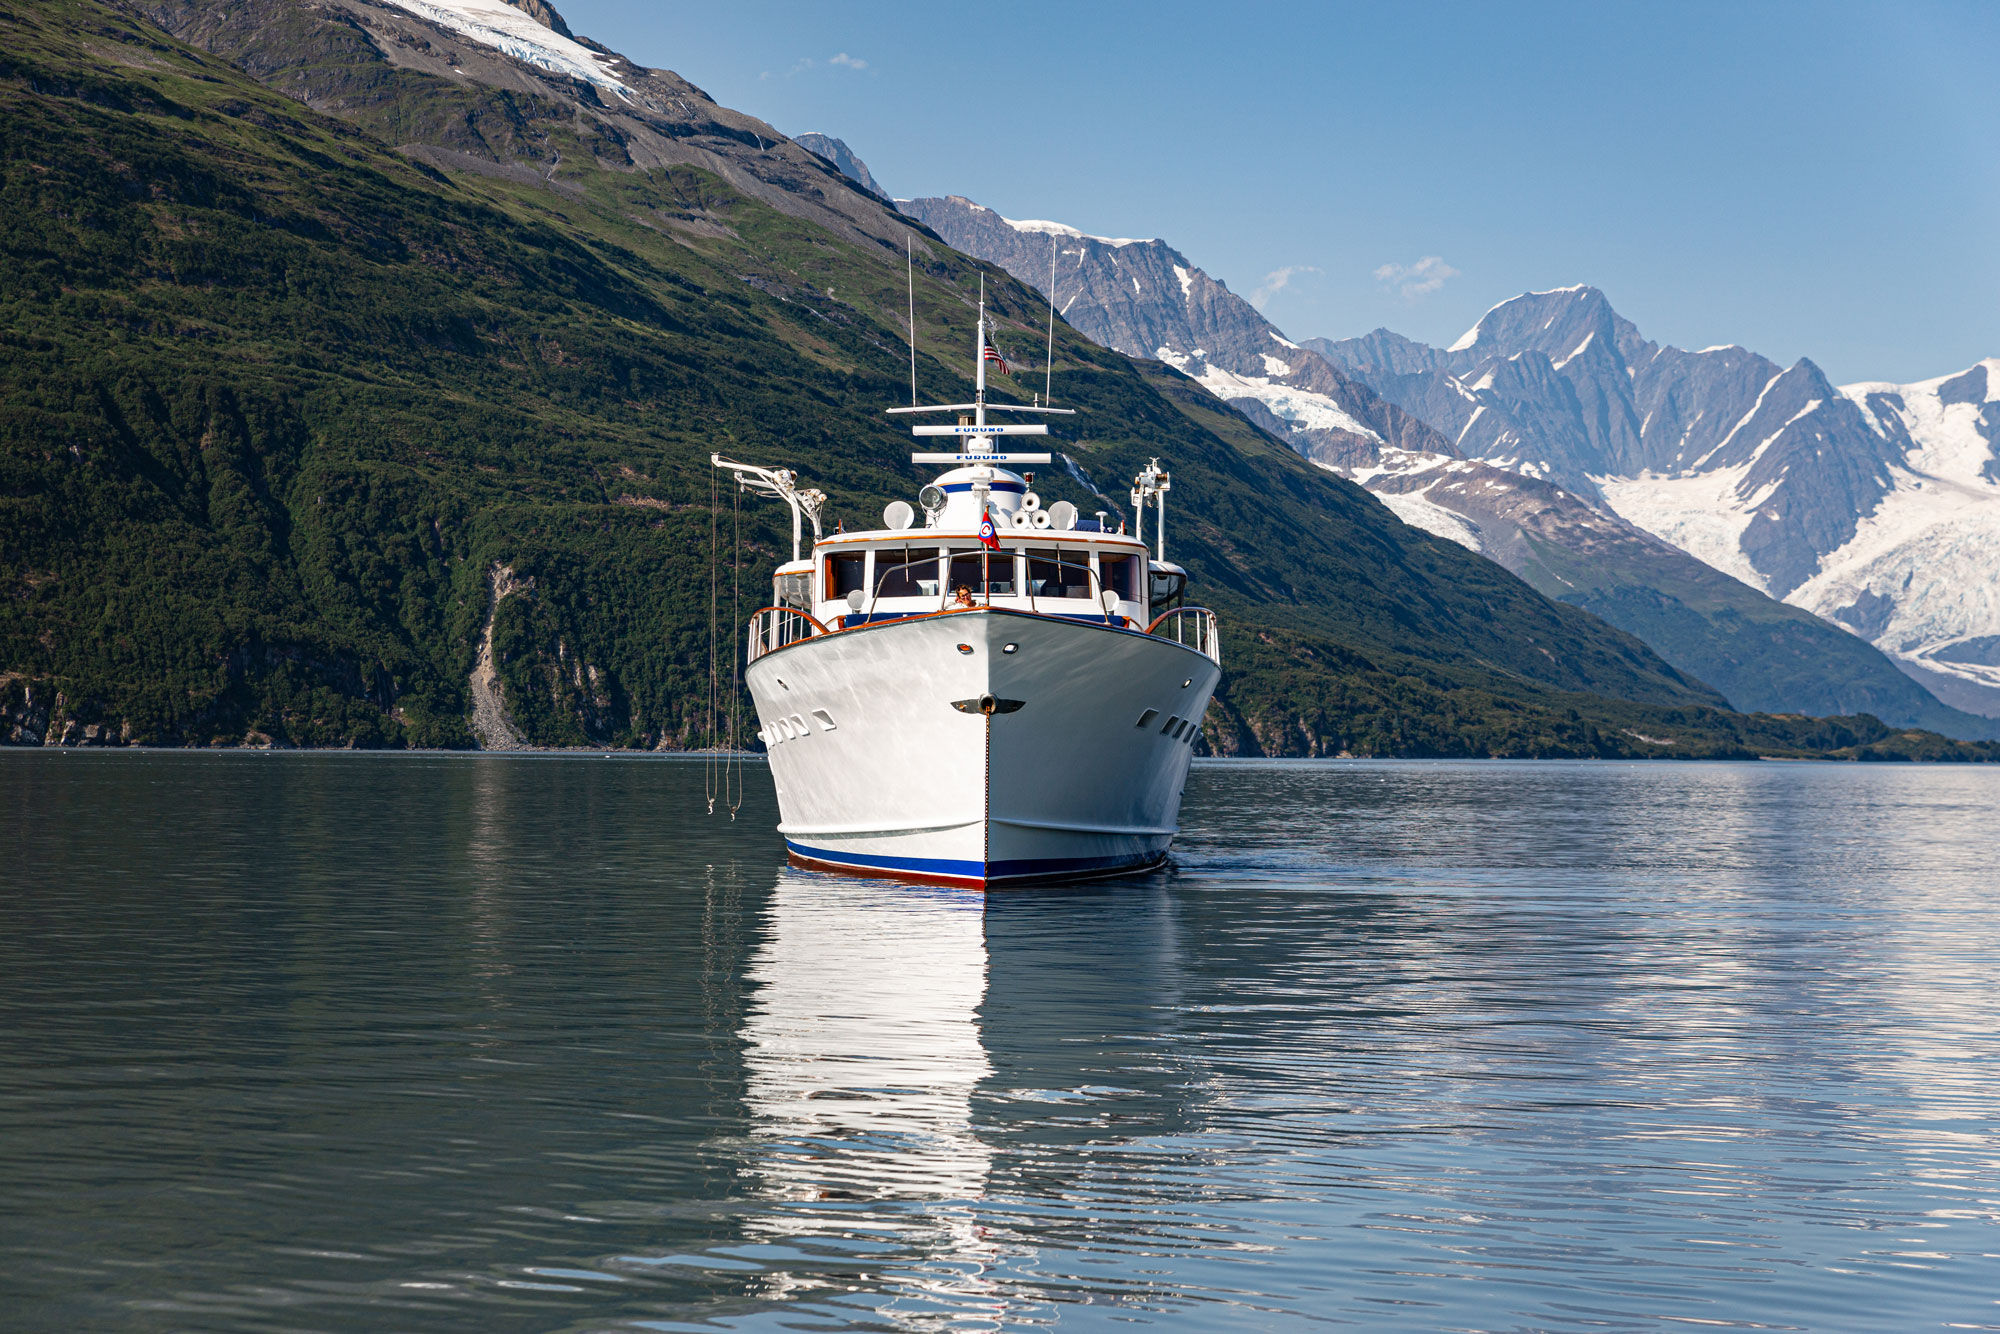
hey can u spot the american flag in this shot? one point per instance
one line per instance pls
(993, 355)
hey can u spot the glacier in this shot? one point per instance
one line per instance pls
(510, 31)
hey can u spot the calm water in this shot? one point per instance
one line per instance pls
(334, 1042)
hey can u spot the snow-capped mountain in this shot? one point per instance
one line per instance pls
(1509, 442)
(1143, 298)
(1918, 576)
(1876, 506)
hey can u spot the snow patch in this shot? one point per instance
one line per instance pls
(1186, 277)
(1300, 409)
(1477, 413)
(1047, 228)
(1704, 514)
(1284, 340)
(510, 31)
(1418, 511)
(1743, 422)
(1577, 351)
(1275, 368)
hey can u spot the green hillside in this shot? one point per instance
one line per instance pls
(277, 400)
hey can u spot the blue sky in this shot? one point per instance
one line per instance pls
(1814, 180)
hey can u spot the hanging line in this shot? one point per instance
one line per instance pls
(735, 659)
(910, 278)
(715, 557)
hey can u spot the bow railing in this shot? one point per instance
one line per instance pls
(1191, 627)
(774, 627)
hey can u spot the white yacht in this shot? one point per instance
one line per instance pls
(984, 690)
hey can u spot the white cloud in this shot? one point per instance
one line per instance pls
(1276, 281)
(1412, 281)
(840, 60)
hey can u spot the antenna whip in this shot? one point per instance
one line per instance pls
(1049, 367)
(910, 277)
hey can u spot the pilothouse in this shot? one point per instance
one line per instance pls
(983, 690)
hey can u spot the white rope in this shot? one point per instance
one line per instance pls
(735, 661)
(708, 759)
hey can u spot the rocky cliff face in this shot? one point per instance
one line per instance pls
(843, 159)
(1143, 298)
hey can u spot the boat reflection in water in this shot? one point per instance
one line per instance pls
(862, 1054)
(921, 1064)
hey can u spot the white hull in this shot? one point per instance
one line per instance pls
(878, 773)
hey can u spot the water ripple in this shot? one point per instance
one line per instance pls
(325, 1042)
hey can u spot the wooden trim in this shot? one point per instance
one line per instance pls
(794, 611)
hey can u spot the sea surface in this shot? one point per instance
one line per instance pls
(338, 1042)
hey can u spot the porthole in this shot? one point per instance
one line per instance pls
(1010, 648)
(965, 648)
(1185, 684)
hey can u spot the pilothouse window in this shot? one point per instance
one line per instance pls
(1120, 575)
(843, 574)
(1057, 574)
(906, 572)
(981, 572)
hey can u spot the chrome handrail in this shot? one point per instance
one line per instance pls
(774, 627)
(1206, 639)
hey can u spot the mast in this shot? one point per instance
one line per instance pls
(972, 436)
(979, 357)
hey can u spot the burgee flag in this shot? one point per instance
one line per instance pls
(986, 533)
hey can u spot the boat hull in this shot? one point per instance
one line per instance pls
(885, 763)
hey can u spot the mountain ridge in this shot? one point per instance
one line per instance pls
(1179, 314)
(307, 436)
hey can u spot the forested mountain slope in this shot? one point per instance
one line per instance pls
(283, 403)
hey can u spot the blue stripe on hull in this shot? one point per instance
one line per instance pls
(1041, 868)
